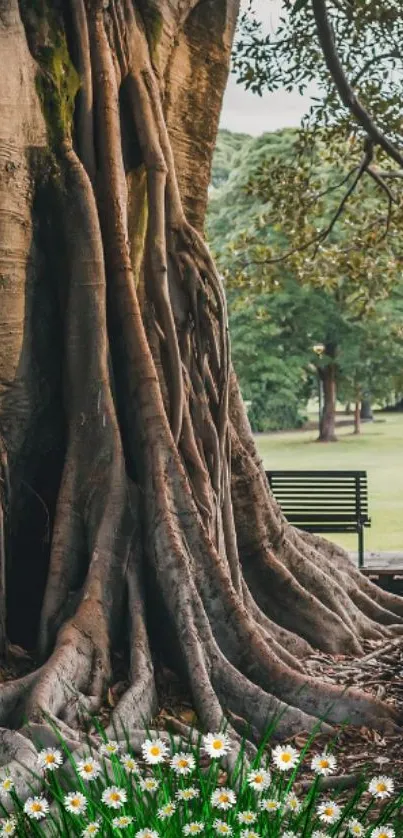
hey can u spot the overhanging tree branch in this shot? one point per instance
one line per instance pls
(322, 235)
(343, 86)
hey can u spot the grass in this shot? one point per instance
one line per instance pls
(263, 800)
(378, 450)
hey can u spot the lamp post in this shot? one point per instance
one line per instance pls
(319, 349)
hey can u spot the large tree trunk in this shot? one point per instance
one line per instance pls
(134, 500)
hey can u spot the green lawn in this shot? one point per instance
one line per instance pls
(378, 450)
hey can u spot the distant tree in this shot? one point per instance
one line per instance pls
(271, 357)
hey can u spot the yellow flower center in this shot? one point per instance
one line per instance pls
(223, 798)
(183, 763)
(49, 759)
(217, 744)
(324, 763)
(88, 768)
(381, 787)
(37, 807)
(285, 757)
(155, 750)
(75, 801)
(115, 796)
(329, 811)
(258, 778)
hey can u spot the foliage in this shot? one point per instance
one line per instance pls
(113, 800)
(270, 359)
(369, 38)
(334, 292)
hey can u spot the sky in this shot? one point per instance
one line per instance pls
(252, 114)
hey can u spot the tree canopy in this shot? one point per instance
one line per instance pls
(286, 298)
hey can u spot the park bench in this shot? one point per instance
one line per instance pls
(324, 501)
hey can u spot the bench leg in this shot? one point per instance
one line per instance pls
(361, 547)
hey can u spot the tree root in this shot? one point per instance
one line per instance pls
(19, 756)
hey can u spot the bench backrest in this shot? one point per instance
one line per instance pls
(322, 501)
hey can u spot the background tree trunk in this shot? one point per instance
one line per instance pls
(135, 503)
(327, 373)
(357, 417)
(366, 411)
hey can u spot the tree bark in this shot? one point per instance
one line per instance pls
(327, 374)
(135, 502)
(357, 417)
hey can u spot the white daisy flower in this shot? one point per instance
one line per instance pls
(149, 784)
(154, 751)
(285, 757)
(36, 808)
(288, 834)
(216, 744)
(91, 829)
(221, 827)
(6, 785)
(249, 833)
(122, 821)
(109, 748)
(147, 833)
(88, 769)
(318, 833)
(129, 764)
(355, 827)
(259, 779)
(292, 803)
(114, 797)
(49, 759)
(246, 817)
(328, 811)
(223, 798)
(193, 828)
(166, 811)
(324, 764)
(383, 832)
(187, 794)
(8, 826)
(183, 763)
(381, 786)
(270, 805)
(75, 802)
